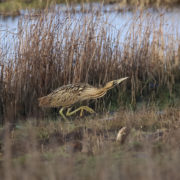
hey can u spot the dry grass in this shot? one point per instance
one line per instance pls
(86, 149)
(51, 51)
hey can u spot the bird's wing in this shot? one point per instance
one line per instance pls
(71, 88)
(66, 95)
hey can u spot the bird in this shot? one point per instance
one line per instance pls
(67, 95)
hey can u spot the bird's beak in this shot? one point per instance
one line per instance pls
(120, 80)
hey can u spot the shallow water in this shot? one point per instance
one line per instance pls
(119, 21)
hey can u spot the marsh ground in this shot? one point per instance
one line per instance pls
(87, 148)
(49, 51)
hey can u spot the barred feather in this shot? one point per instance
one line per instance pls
(70, 94)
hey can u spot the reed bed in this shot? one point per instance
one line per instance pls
(52, 49)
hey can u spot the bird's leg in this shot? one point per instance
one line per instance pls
(61, 113)
(81, 113)
(88, 109)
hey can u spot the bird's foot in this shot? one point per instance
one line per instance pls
(88, 109)
(91, 111)
(81, 109)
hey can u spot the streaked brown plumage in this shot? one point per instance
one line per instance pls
(68, 95)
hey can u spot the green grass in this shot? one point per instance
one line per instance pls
(13, 7)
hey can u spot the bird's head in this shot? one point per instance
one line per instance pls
(111, 84)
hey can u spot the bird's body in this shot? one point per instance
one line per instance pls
(67, 95)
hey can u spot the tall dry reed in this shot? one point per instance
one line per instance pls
(54, 49)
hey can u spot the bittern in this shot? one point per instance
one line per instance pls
(67, 95)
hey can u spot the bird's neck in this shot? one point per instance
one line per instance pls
(107, 87)
(101, 92)
(94, 93)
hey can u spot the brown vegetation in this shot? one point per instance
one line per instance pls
(87, 149)
(51, 51)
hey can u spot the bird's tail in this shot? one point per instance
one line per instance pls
(43, 101)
